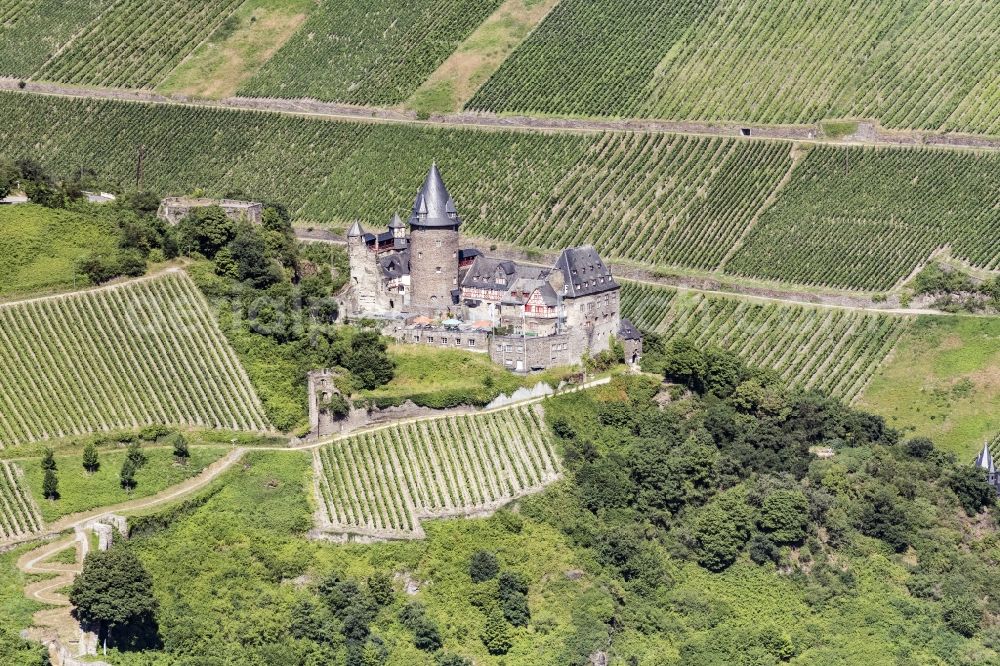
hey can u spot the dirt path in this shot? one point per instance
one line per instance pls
(335, 111)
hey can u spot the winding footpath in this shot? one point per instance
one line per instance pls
(54, 626)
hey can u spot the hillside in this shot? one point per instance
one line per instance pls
(658, 200)
(41, 247)
(913, 64)
(830, 349)
(143, 353)
(920, 64)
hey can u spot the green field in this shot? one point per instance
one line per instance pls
(943, 382)
(41, 247)
(922, 64)
(80, 491)
(368, 51)
(446, 377)
(831, 349)
(142, 353)
(853, 218)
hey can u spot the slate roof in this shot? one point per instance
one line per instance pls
(482, 273)
(627, 331)
(984, 460)
(433, 206)
(468, 253)
(584, 272)
(356, 230)
(395, 265)
(396, 222)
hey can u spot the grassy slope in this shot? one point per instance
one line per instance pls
(79, 492)
(41, 246)
(422, 370)
(237, 50)
(943, 382)
(450, 86)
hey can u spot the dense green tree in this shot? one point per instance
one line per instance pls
(50, 485)
(884, 516)
(136, 455)
(496, 632)
(919, 447)
(49, 459)
(91, 462)
(685, 364)
(250, 256)
(785, 516)
(969, 485)
(369, 361)
(9, 176)
(512, 593)
(381, 589)
(126, 477)
(483, 566)
(426, 635)
(180, 446)
(114, 592)
(206, 230)
(720, 531)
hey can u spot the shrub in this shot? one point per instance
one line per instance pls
(483, 566)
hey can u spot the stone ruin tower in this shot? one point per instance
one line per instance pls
(433, 246)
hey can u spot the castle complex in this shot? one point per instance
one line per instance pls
(429, 290)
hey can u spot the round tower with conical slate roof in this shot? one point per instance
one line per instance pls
(434, 225)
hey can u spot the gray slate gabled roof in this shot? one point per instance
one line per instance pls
(396, 264)
(482, 273)
(396, 222)
(584, 272)
(433, 206)
(627, 331)
(356, 230)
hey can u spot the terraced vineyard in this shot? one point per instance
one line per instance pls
(122, 43)
(19, 516)
(924, 64)
(656, 199)
(146, 352)
(32, 31)
(368, 51)
(865, 219)
(832, 349)
(851, 218)
(589, 58)
(137, 42)
(382, 483)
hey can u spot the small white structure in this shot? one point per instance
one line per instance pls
(13, 199)
(99, 197)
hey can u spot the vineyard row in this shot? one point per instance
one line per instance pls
(852, 218)
(382, 483)
(831, 349)
(144, 353)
